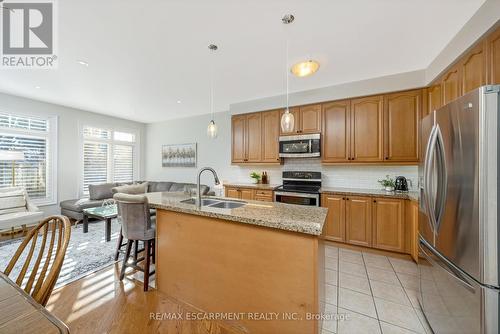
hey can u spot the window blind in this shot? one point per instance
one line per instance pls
(123, 163)
(36, 137)
(108, 156)
(95, 164)
(31, 173)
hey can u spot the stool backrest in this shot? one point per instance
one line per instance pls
(133, 214)
(53, 235)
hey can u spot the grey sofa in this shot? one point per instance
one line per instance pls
(73, 208)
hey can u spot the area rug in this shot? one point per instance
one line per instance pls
(86, 253)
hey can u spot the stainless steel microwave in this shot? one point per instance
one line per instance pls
(301, 146)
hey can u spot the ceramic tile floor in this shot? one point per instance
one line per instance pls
(371, 293)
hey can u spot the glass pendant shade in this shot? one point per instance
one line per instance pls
(287, 121)
(212, 130)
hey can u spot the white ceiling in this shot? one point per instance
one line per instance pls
(144, 56)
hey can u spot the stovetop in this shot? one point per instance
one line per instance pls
(301, 182)
(299, 189)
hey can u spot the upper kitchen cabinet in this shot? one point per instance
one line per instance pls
(366, 129)
(238, 135)
(310, 118)
(493, 57)
(451, 85)
(295, 111)
(307, 119)
(401, 126)
(336, 132)
(270, 136)
(434, 98)
(472, 68)
(255, 138)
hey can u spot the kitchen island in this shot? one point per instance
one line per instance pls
(260, 265)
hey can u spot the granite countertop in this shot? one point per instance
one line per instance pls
(411, 195)
(288, 217)
(259, 186)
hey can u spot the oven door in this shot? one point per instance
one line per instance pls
(302, 146)
(296, 198)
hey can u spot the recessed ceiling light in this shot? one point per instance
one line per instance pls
(84, 63)
(179, 101)
(37, 87)
(305, 68)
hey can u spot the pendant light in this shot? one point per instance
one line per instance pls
(212, 127)
(287, 119)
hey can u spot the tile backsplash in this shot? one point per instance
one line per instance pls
(351, 176)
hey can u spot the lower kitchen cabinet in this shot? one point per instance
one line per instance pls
(358, 223)
(335, 226)
(377, 222)
(388, 224)
(249, 194)
(411, 229)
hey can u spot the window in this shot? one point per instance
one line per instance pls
(36, 138)
(108, 156)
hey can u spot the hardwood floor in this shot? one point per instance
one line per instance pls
(100, 303)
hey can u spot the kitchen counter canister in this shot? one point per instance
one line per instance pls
(411, 195)
(294, 218)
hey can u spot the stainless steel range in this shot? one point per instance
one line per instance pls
(300, 188)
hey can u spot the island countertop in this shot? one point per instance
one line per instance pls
(288, 217)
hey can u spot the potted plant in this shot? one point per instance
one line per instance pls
(387, 183)
(255, 177)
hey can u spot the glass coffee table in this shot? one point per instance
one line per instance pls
(105, 213)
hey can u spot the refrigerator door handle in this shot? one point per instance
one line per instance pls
(442, 182)
(429, 153)
(443, 263)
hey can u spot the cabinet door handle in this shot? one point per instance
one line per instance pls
(374, 201)
(343, 198)
(386, 158)
(347, 199)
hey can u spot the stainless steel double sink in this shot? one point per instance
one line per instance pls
(216, 203)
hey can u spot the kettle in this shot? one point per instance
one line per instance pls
(401, 184)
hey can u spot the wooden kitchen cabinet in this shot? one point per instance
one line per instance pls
(493, 57)
(358, 223)
(434, 99)
(249, 194)
(310, 118)
(473, 68)
(388, 224)
(335, 219)
(232, 192)
(336, 132)
(366, 129)
(238, 134)
(402, 113)
(307, 119)
(376, 222)
(451, 85)
(411, 229)
(270, 136)
(253, 137)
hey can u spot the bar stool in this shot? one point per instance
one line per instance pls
(137, 225)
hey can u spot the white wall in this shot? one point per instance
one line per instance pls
(69, 121)
(217, 154)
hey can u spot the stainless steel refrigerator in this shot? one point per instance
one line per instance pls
(458, 222)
